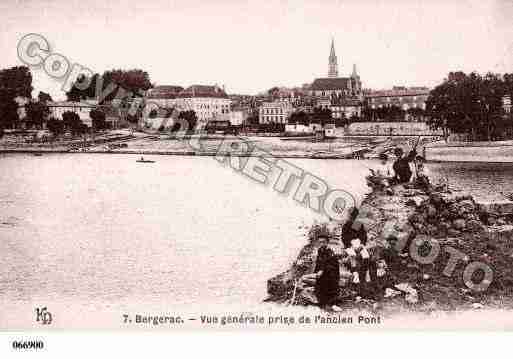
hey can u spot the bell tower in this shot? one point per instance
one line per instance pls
(333, 66)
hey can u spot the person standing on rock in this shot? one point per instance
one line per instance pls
(327, 273)
(401, 165)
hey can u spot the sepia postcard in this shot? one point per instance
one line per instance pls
(337, 165)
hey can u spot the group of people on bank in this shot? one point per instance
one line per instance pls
(404, 169)
(364, 261)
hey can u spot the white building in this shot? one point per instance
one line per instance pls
(345, 109)
(506, 103)
(237, 117)
(275, 112)
(82, 109)
(209, 103)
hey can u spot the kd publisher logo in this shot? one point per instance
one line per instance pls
(43, 316)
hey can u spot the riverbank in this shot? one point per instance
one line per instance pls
(201, 145)
(443, 219)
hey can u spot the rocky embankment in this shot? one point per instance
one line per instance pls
(439, 223)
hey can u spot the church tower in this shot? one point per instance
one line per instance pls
(333, 66)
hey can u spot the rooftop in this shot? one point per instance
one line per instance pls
(400, 91)
(203, 91)
(164, 92)
(328, 83)
(70, 104)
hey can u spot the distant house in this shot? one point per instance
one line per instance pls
(506, 103)
(345, 108)
(403, 97)
(164, 96)
(82, 109)
(275, 112)
(208, 102)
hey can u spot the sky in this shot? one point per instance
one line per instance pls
(251, 46)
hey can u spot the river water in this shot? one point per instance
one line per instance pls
(90, 233)
(94, 236)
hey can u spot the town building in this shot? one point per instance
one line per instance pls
(345, 108)
(82, 109)
(275, 112)
(506, 104)
(164, 96)
(208, 102)
(403, 97)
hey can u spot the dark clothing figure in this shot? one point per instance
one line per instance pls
(351, 231)
(327, 285)
(402, 169)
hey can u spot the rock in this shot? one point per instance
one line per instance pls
(453, 232)
(390, 293)
(432, 229)
(412, 297)
(475, 226)
(436, 199)
(500, 208)
(459, 224)
(466, 206)
(431, 211)
(501, 222)
(307, 296)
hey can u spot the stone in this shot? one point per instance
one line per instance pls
(501, 208)
(459, 224)
(307, 296)
(390, 293)
(466, 206)
(431, 211)
(436, 199)
(475, 226)
(453, 232)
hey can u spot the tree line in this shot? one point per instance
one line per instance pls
(471, 104)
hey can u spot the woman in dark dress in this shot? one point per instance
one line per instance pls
(327, 270)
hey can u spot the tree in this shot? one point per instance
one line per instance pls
(17, 78)
(8, 109)
(191, 119)
(113, 84)
(273, 91)
(55, 126)
(98, 119)
(470, 104)
(73, 123)
(37, 112)
(14, 82)
(44, 97)
(299, 117)
(321, 116)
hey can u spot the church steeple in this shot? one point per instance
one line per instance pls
(355, 73)
(333, 66)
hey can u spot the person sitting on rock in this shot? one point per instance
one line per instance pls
(401, 165)
(353, 229)
(381, 174)
(383, 169)
(361, 263)
(327, 275)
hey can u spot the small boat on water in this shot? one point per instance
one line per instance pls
(37, 154)
(142, 160)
